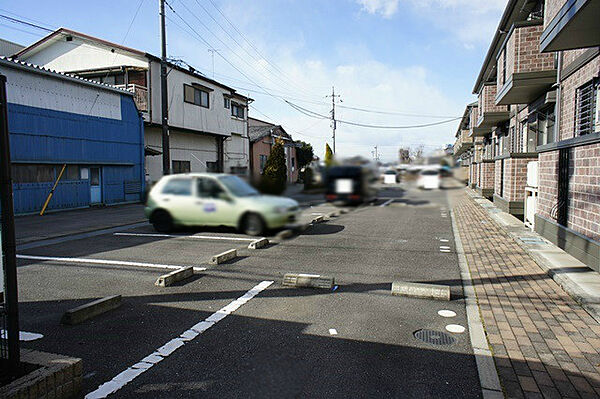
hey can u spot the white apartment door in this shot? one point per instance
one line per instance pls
(95, 185)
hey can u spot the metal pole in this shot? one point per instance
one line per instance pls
(11, 301)
(333, 114)
(164, 98)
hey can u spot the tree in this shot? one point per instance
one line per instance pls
(304, 154)
(274, 176)
(328, 156)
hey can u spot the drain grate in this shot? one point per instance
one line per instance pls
(434, 337)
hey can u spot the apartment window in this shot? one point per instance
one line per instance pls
(226, 102)
(194, 95)
(586, 109)
(237, 110)
(263, 162)
(181, 167)
(542, 125)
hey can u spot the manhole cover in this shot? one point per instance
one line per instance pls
(434, 337)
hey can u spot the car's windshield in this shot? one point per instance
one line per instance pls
(237, 186)
(429, 173)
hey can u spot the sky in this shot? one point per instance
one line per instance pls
(407, 62)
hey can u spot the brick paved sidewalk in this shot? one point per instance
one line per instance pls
(544, 343)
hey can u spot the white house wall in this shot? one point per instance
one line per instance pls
(193, 147)
(236, 152)
(41, 91)
(216, 120)
(80, 54)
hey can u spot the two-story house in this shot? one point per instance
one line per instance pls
(207, 119)
(262, 137)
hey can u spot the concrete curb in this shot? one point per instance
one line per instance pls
(89, 310)
(260, 243)
(307, 280)
(564, 269)
(223, 257)
(486, 367)
(418, 290)
(176, 275)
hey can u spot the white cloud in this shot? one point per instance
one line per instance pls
(386, 8)
(469, 21)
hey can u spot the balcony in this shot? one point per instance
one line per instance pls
(489, 114)
(575, 25)
(140, 95)
(523, 73)
(463, 142)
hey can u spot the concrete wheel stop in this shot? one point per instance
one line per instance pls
(301, 280)
(419, 290)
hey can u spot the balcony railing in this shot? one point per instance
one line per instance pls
(140, 95)
(524, 73)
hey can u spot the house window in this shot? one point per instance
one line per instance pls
(226, 102)
(586, 109)
(212, 167)
(237, 110)
(181, 167)
(263, 163)
(194, 95)
(23, 173)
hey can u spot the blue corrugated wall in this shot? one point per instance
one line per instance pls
(45, 136)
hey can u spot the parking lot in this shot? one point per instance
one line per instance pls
(234, 330)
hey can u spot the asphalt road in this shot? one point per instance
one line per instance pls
(354, 341)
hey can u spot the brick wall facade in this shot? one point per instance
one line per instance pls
(515, 172)
(522, 53)
(551, 8)
(584, 193)
(569, 87)
(487, 175)
(486, 101)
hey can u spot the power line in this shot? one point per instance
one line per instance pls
(317, 115)
(20, 21)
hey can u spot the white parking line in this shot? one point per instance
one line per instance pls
(106, 262)
(125, 377)
(443, 240)
(180, 236)
(23, 335)
(386, 203)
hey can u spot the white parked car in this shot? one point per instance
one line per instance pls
(390, 177)
(429, 179)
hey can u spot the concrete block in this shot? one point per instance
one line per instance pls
(318, 219)
(418, 290)
(224, 257)
(89, 310)
(343, 211)
(176, 275)
(333, 214)
(308, 280)
(260, 243)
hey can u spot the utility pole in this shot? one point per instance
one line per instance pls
(375, 155)
(333, 121)
(164, 97)
(8, 252)
(212, 52)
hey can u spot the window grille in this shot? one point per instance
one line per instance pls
(585, 118)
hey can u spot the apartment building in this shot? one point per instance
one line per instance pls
(464, 143)
(568, 206)
(538, 120)
(207, 119)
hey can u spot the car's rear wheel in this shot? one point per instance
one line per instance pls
(253, 225)
(162, 221)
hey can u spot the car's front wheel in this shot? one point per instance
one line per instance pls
(162, 221)
(253, 224)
